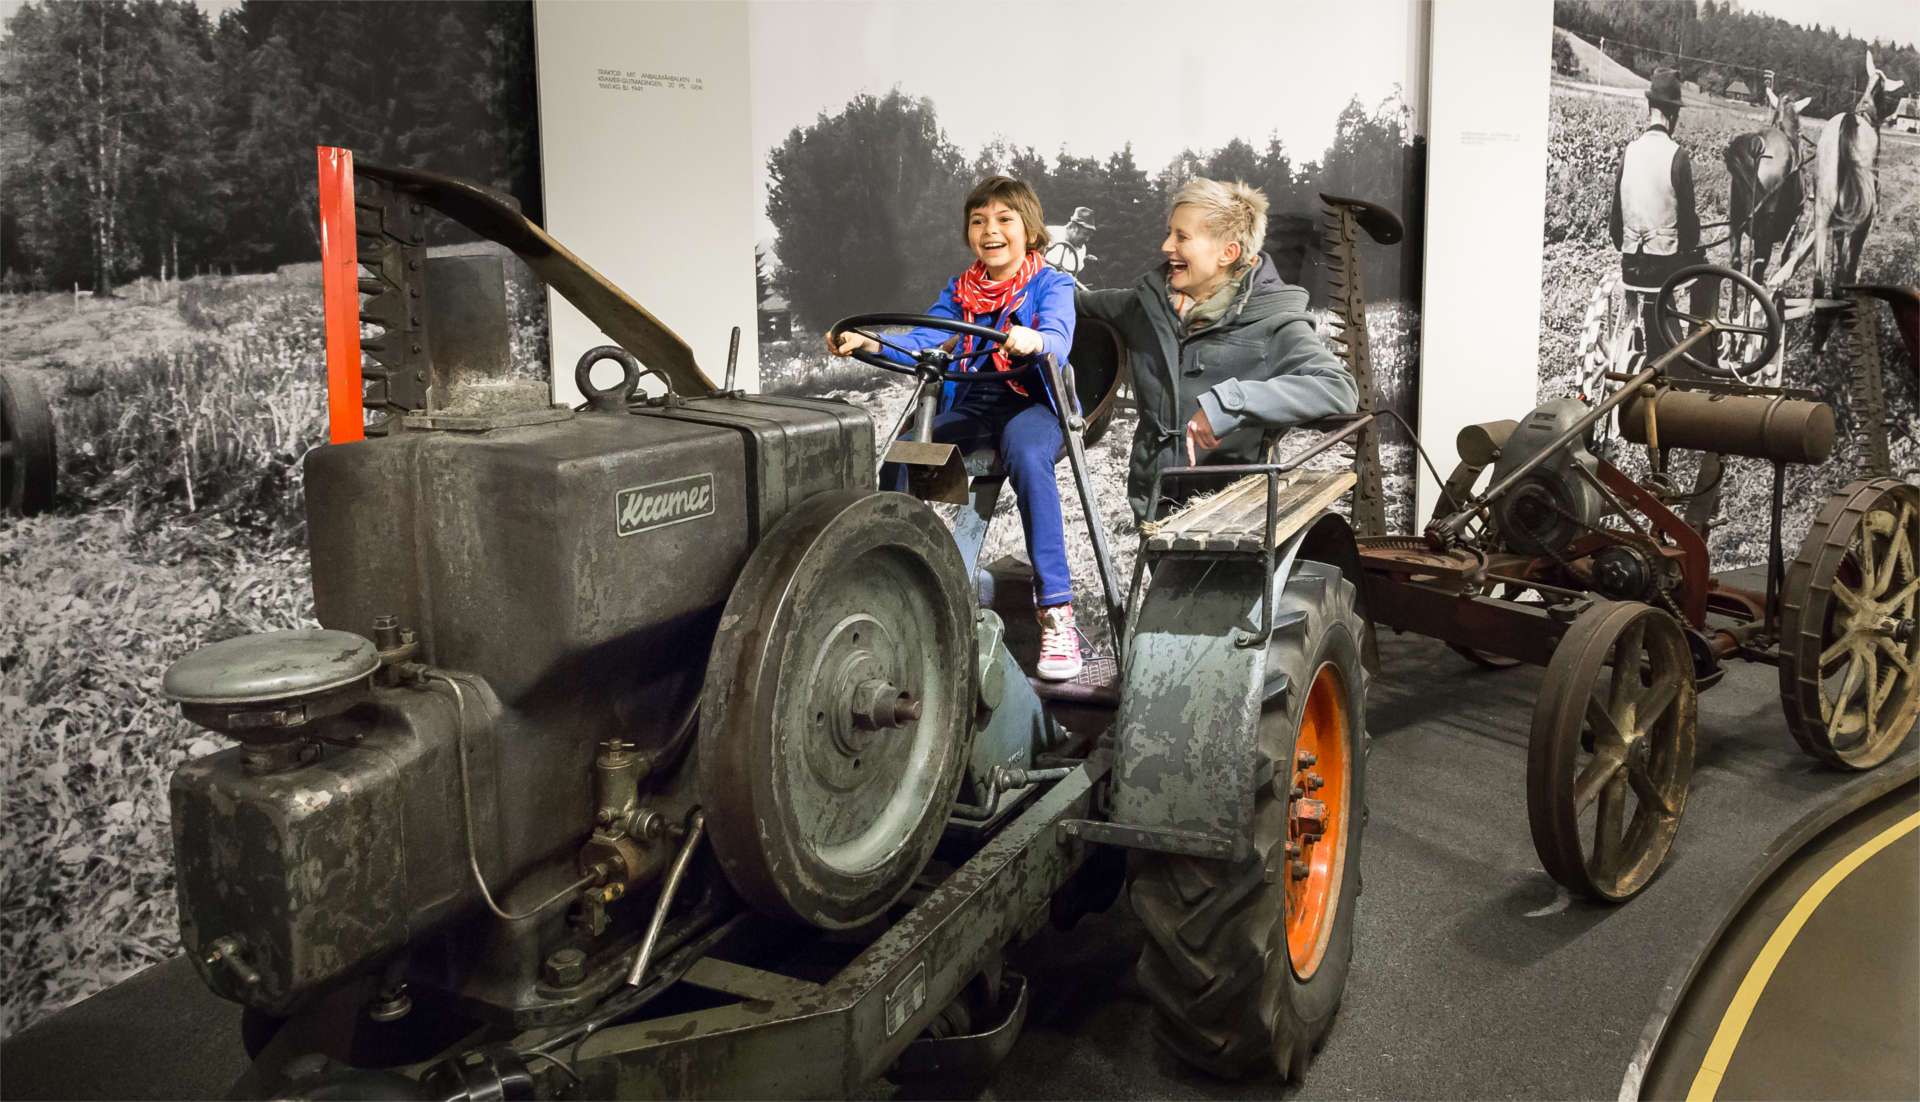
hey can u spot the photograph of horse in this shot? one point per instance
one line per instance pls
(1846, 185)
(1766, 168)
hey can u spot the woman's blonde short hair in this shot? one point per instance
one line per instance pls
(1019, 198)
(1231, 212)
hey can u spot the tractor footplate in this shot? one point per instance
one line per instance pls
(1098, 684)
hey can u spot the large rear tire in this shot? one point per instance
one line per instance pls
(1246, 963)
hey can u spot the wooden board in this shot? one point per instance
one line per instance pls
(1235, 519)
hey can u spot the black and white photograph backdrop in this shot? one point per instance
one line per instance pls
(871, 123)
(1792, 115)
(160, 290)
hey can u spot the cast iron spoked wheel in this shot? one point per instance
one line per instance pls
(1245, 963)
(1849, 644)
(1611, 749)
(27, 456)
(1748, 347)
(838, 708)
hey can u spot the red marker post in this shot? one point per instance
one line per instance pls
(340, 285)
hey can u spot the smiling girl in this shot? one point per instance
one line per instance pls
(1009, 288)
(1222, 350)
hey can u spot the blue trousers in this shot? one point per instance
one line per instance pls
(1027, 433)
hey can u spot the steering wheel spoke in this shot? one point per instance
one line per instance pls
(885, 343)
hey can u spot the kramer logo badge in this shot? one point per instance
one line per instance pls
(644, 508)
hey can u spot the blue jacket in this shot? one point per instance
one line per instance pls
(1047, 309)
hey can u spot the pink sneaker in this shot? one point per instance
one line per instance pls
(1059, 644)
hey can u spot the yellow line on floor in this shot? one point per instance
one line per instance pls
(1713, 1068)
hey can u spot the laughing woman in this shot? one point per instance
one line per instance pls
(1223, 351)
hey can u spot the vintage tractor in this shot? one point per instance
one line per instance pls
(1564, 561)
(648, 751)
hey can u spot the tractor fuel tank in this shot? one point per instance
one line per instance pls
(1780, 429)
(577, 564)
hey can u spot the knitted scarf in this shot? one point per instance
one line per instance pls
(980, 297)
(1196, 315)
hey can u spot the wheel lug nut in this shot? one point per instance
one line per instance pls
(1300, 870)
(1296, 792)
(1293, 849)
(1314, 781)
(1307, 759)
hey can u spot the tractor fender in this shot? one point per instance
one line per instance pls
(1329, 539)
(1186, 764)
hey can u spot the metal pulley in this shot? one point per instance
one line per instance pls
(838, 708)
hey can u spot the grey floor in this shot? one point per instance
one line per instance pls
(1474, 976)
(1839, 1017)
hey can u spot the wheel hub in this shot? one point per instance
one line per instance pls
(1316, 816)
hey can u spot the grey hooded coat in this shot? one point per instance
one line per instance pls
(1260, 368)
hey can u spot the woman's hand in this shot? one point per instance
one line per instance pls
(851, 342)
(1022, 341)
(1200, 434)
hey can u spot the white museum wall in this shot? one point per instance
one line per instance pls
(1486, 193)
(650, 180)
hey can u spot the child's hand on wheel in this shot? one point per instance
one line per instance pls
(851, 342)
(1022, 341)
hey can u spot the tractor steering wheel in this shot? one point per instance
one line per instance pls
(929, 363)
(1668, 316)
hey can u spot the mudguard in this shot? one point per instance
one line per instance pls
(1186, 768)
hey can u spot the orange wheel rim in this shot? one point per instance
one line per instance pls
(1316, 821)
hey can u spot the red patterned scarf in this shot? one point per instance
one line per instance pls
(980, 297)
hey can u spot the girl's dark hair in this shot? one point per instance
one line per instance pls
(1015, 195)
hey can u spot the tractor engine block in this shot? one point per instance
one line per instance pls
(565, 572)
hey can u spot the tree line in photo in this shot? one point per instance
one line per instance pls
(143, 138)
(865, 202)
(1718, 46)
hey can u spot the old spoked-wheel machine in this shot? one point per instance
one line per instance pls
(1564, 561)
(648, 750)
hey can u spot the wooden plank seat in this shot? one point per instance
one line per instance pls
(1235, 518)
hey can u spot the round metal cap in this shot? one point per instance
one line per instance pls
(269, 667)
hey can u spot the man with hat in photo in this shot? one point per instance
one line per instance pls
(1657, 230)
(1069, 249)
(1654, 222)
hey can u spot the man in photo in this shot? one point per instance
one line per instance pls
(1654, 222)
(1656, 227)
(1069, 249)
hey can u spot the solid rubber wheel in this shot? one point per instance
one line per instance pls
(1849, 643)
(1610, 754)
(1245, 963)
(28, 459)
(837, 712)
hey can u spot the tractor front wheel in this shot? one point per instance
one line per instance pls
(1246, 962)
